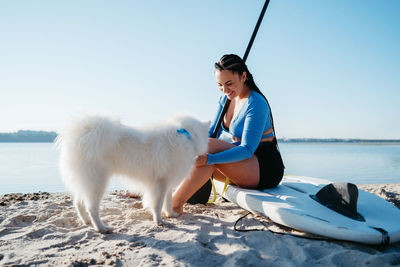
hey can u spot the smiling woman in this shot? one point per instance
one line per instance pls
(251, 159)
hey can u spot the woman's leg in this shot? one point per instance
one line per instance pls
(244, 173)
(197, 178)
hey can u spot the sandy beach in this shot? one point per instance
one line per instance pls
(42, 229)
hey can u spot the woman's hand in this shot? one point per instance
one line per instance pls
(201, 160)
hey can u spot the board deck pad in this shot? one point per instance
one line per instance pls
(290, 204)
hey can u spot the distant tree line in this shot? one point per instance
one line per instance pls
(27, 136)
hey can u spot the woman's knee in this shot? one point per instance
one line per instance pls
(217, 174)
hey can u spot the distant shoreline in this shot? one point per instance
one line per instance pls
(28, 136)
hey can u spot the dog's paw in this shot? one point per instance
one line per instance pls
(171, 214)
(158, 222)
(86, 222)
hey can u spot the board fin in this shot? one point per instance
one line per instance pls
(341, 198)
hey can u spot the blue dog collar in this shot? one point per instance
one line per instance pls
(183, 131)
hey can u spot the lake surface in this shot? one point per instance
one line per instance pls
(32, 167)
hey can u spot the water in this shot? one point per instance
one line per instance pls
(32, 167)
(344, 162)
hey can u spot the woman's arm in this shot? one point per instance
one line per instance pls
(254, 124)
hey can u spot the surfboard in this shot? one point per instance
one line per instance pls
(290, 204)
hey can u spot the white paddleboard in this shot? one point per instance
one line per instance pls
(290, 204)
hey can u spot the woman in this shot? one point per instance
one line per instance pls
(252, 160)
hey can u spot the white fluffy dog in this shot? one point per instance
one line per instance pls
(94, 148)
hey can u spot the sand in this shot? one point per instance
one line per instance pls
(42, 229)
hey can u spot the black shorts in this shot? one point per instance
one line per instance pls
(271, 165)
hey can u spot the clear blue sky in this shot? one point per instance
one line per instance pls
(328, 68)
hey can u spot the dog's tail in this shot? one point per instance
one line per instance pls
(91, 136)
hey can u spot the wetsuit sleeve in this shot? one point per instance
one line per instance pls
(221, 103)
(255, 120)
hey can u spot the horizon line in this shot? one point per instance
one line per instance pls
(281, 139)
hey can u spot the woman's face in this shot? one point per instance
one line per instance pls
(230, 83)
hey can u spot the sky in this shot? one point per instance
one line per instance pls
(330, 69)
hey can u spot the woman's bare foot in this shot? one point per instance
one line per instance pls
(178, 209)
